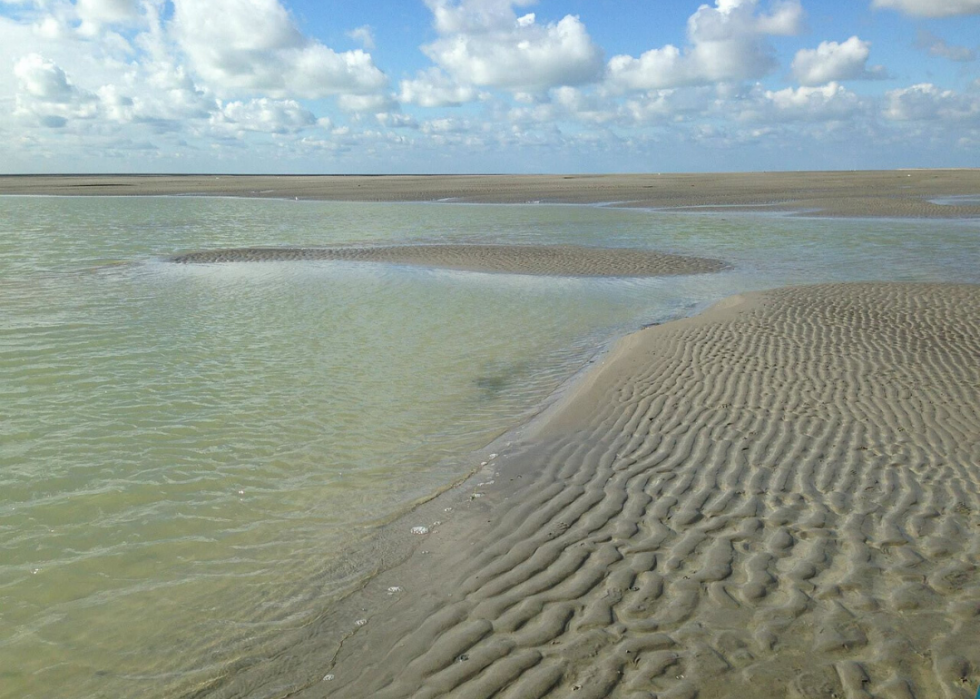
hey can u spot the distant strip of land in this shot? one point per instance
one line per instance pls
(896, 193)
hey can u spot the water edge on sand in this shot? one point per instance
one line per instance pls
(779, 496)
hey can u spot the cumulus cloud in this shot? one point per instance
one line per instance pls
(364, 36)
(726, 42)
(264, 115)
(931, 8)
(365, 103)
(43, 79)
(396, 120)
(253, 46)
(433, 88)
(95, 13)
(47, 94)
(935, 46)
(485, 43)
(832, 61)
(827, 102)
(669, 105)
(116, 105)
(582, 106)
(926, 102)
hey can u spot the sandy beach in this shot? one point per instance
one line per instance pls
(777, 497)
(897, 193)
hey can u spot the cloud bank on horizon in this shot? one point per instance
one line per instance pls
(487, 85)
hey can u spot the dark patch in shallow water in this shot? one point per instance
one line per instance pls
(547, 260)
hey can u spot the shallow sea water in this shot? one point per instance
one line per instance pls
(189, 454)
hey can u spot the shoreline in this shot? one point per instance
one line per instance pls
(852, 194)
(779, 495)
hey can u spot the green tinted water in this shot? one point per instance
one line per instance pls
(187, 451)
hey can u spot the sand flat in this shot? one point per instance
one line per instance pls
(780, 497)
(565, 260)
(897, 193)
(776, 498)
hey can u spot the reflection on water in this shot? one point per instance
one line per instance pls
(958, 200)
(186, 452)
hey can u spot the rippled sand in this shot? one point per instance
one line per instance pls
(567, 260)
(780, 497)
(896, 193)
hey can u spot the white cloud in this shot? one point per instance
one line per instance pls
(474, 16)
(43, 79)
(46, 94)
(931, 8)
(116, 106)
(926, 102)
(396, 120)
(827, 102)
(253, 46)
(832, 61)
(264, 115)
(433, 88)
(927, 41)
(95, 13)
(364, 36)
(484, 42)
(365, 103)
(726, 42)
(582, 106)
(670, 105)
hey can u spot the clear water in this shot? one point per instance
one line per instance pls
(186, 452)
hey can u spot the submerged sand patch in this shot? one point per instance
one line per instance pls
(565, 260)
(780, 497)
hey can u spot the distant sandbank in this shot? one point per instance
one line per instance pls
(897, 193)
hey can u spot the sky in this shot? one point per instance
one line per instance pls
(509, 86)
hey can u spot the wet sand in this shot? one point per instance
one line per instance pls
(898, 193)
(779, 497)
(564, 260)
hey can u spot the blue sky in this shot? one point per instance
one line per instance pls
(386, 86)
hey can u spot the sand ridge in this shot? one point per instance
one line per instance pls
(777, 498)
(897, 193)
(566, 260)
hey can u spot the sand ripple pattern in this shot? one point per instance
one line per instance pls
(775, 500)
(564, 260)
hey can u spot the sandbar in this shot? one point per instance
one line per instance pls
(894, 193)
(564, 260)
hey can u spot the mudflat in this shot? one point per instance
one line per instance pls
(898, 193)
